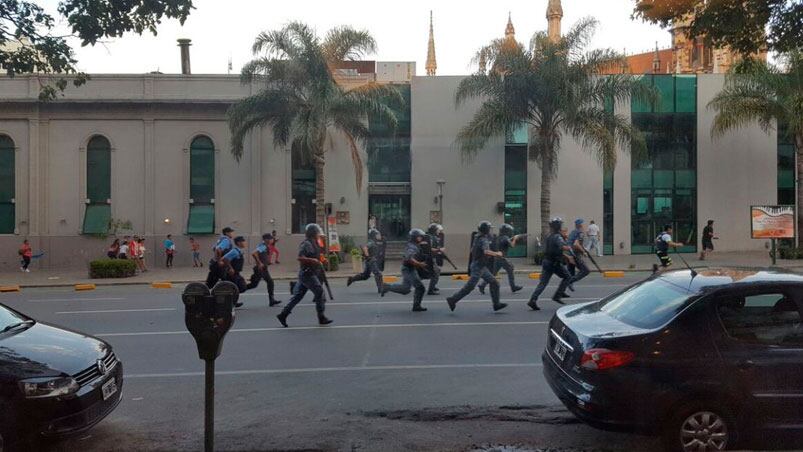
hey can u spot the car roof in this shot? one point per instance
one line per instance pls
(713, 278)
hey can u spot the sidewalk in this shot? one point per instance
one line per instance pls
(56, 278)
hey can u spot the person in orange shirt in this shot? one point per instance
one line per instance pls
(25, 252)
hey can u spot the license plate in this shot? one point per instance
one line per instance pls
(560, 350)
(109, 388)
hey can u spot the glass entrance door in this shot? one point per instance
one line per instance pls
(392, 215)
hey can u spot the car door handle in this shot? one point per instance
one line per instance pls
(745, 364)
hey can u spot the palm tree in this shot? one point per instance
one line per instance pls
(768, 94)
(554, 88)
(302, 102)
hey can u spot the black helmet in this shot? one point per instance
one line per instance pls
(415, 234)
(556, 223)
(312, 230)
(506, 230)
(373, 233)
(434, 229)
(485, 227)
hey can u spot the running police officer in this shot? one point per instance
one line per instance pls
(231, 265)
(481, 262)
(310, 266)
(662, 244)
(412, 263)
(372, 255)
(435, 233)
(261, 256)
(503, 243)
(552, 264)
(222, 246)
(577, 269)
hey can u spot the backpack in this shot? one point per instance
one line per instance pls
(660, 243)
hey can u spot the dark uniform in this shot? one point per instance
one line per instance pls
(237, 261)
(410, 277)
(480, 269)
(263, 254)
(373, 262)
(552, 265)
(436, 242)
(222, 246)
(308, 279)
(579, 269)
(503, 243)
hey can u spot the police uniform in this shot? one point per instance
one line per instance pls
(552, 265)
(435, 275)
(263, 254)
(308, 280)
(579, 269)
(662, 249)
(372, 264)
(503, 244)
(480, 269)
(223, 246)
(410, 278)
(236, 260)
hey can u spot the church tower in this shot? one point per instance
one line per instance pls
(432, 65)
(554, 14)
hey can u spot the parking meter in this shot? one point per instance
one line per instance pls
(208, 317)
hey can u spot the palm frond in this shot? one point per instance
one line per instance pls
(346, 43)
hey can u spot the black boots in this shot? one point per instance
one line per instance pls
(515, 289)
(533, 305)
(452, 303)
(322, 320)
(283, 318)
(349, 281)
(499, 306)
(274, 302)
(419, 308)
(433, 292)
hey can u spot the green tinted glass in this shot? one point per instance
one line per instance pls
(7, 169)
(201, 220)
(664, 179)
(7, 218)
(98, 170)
(97, 218)
(665, 84)
(685, 179)
(641, 178)
(786, 179)
(639, 106)
(686, 93)
(202, 170)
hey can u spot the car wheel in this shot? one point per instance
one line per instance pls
(700, 427)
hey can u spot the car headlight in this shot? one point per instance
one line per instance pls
(37, 388)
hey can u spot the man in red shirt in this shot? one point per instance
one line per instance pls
(26, 253)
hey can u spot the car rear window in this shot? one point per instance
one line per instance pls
(647, 305)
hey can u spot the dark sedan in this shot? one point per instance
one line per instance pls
(696, 357)
(53, 382)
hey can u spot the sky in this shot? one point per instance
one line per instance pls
(224, 29)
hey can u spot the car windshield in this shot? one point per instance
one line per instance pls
(647, 305)
(9, 317)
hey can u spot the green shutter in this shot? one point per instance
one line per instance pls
(98, 170)
(7, 181)
(202, 170)
(201, 220)
(97, 218)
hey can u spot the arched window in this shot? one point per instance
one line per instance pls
(98, 186)
(202, 186)
(7, 215)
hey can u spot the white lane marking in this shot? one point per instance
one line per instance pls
(338, 369)
(429, 302)
(116, 310)
(44, 300)
(532, 287)
(339, 327)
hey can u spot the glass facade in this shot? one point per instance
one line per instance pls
(392, 213)
(607, 198)
(7, 185)
(664, 182)
(516, 186)
(786, 167)
(389, 149)
(303, 212)
(98, 186)
(201, 219)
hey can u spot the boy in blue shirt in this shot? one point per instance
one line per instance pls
(170, 250)
(261, 256)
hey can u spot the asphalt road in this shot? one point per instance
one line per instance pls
(379, 378)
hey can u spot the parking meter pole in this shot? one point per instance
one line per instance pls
(209, 407)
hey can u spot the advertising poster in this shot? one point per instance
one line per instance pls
(772, 222)
(334, 241)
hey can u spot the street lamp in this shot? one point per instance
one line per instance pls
(440, 183)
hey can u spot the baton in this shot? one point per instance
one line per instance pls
(325, 281)
(594, 262)
(446, 258)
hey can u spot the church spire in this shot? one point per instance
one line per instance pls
(510, 32)
(554, 14)
(656, 60)
(432, 65)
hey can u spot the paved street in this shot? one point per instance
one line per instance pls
(380, 378)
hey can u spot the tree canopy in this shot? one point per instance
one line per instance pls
(28, 43)
(746, 26)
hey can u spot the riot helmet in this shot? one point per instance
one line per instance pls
(374, 234)
(485, 227)
(312, 231)
(506, 230)
(555, 224)
(435, 229)
(415, 234)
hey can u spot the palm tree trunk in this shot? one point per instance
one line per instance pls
(320, 193)
(798, 184)
(546, 198)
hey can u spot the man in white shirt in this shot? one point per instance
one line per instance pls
(593, 239)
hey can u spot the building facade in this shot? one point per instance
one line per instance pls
(154, 150)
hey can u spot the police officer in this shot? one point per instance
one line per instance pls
(552, 264)
(261, 256)
(231, 265)
(222, 246)
(481, 262)
(503, 243)
(577, 269)
(372, 255)
(310, 266)
(435, 233)
(413, 261)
